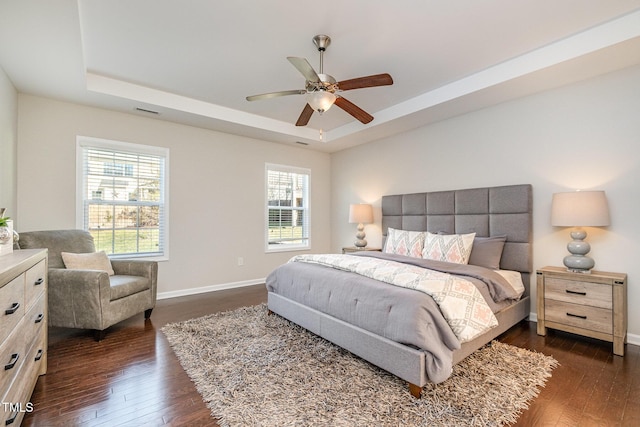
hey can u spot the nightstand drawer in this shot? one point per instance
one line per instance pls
(579, 316)
(579, 292)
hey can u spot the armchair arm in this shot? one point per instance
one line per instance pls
(76, 297)
(131, 267)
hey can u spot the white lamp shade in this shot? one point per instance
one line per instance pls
(360, 214)
(580, 209)
(321, 100)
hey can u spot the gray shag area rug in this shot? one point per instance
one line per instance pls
(255, 369)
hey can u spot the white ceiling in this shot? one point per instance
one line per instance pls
(195, 61)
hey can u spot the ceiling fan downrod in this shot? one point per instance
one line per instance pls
(322, 42)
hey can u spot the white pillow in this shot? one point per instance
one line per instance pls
(514, 278)
(454, 248)
(402, 242)
(88, 261)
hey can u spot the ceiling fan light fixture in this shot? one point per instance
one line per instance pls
(321, 100)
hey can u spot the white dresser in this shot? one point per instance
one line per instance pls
(23, 330)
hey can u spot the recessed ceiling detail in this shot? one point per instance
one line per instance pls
(195, 62)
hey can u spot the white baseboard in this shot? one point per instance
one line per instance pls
(212, 288)
(632, 339)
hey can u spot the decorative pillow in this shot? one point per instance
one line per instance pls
(88, 261)
(487, 251)
(454, 248)
(515, 280)
(402, 242)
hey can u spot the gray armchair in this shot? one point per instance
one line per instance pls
(91, 299)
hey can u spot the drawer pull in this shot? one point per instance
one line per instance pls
(14, 307)
(12, 362)
(577, 315)
(39, 354)
(12, 418)
(39, 318)
(40, 281)
(576, 292)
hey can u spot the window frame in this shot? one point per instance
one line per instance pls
(271, 248)
(86, 142)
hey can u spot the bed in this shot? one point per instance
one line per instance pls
(373, 319)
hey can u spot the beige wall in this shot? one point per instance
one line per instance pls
(583, 136)
(8, 141)
(216, 188)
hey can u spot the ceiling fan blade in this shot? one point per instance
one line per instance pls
(354, 110)
(305, 68)
(305, 115)
(368, 81)
(276, 94)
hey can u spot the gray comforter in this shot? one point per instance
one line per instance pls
(403, 315)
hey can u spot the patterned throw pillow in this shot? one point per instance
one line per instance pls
(402, 242)
(448, 247)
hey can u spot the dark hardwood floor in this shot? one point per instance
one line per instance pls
(133, 378)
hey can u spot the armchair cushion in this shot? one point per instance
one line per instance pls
(87, 261)
(123, 286)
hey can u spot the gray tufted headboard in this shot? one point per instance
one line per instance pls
(491, 211)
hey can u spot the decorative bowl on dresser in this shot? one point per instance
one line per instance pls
(592, 305)
(23, 329)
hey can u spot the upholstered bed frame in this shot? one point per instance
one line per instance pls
(492, 211)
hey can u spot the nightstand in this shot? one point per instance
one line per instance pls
(593, 305)
(350, 249)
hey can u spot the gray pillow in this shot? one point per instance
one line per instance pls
(487, 251)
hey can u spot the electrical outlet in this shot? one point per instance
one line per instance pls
(240, 261)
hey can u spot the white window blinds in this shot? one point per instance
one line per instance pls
(123, 196)
(287, 218)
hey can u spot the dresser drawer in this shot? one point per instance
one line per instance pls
(12, 355)
(35, 320)
(579, 316)
(14, 349)
(19, 393)
(11, 305)
(35, 282)
(578, 292)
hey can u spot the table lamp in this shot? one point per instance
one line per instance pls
(360, 214)
(579, 209)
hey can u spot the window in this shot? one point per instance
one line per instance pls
(287, 217)
(122, 196)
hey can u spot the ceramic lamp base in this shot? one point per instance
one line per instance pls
(578, 262)
(360, 236)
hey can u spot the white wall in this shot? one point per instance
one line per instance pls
(583, 136)
(216, 188)
(8, 141)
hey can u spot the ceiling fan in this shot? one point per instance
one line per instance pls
(322, 90)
